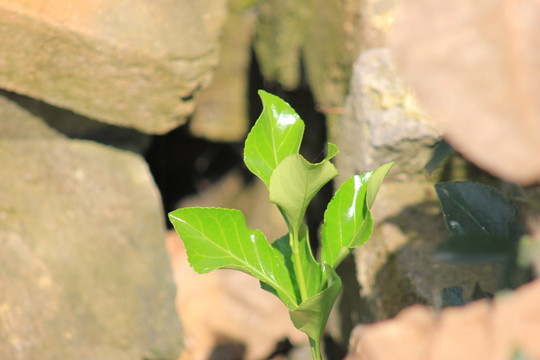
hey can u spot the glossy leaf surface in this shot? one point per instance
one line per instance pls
(217, 238)
(375, 182)
(484, 225)
(477, 208)
(220, 239)
(347, 219)
(310, 267)
(311, 316)
(295, 182)
(276, 135)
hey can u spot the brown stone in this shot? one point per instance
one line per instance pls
(130, 63)
(85, 272)
(485, 98)
(478, 331)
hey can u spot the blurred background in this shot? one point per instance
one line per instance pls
(113, 113)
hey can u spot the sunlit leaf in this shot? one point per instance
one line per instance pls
(311, 315)
(220, 239)
(311, 268)
(295, 182)
(347, 219)
(377, 177)
(277, 134)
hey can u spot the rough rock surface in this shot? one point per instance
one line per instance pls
(85, 272)
(477, 331)
(222, 108)
(315, 36)
(26, 118)
(227, 309)
(395, 267)
(486, 99)
(130, 63)
(382, 123)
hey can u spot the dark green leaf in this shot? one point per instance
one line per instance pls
(472, 208)
(441, 152)
(473, 247)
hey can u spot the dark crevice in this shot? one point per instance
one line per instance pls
(183, 165)
(76, 126)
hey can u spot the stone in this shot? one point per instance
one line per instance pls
(19, 122)
(478, 331)
(394, 269)
(221, 113)
(27, 118)
(136, 64)
(485, 100)
(84, 263)
(382, 121)
(309, 41)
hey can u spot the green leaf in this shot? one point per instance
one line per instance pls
(283, 251)
(473, 208)
(473, 248)
(312, 270)
(220, 239)
(484, 225)
(295, 182)
(347, 219)
(441, 152)
(332, 150)
(311, 315)
(377, 177)
(276, 135)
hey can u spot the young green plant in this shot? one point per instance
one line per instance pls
(217, 238)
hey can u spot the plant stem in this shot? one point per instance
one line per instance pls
(297, 262)
(315, 349)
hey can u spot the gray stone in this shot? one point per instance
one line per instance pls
(382, 121)
(311, 41)
(17, 121)
(394, 269)
(221, 113)
(26, 118)
(130, 63)
(85, 272)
